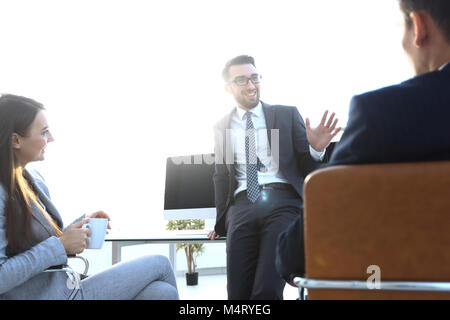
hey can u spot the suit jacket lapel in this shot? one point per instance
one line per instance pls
(49, 207)
(269, 114)
(228, 143)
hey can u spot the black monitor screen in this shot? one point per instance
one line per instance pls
(189, 185)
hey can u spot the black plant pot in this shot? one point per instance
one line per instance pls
(192, 279)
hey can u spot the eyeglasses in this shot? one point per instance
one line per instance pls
(243, 80)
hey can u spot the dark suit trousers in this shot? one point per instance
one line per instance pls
(253, 230)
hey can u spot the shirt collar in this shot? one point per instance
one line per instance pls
(256, 111)
(442, 68)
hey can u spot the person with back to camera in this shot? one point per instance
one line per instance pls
(401, 123)
(32, 238)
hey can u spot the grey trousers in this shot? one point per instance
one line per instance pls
(146, 278)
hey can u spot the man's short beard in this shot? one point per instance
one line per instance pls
(246, 104)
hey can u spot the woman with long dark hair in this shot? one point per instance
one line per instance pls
(32, 237)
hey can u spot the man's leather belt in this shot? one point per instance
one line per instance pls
(268, 186)
(275, 185)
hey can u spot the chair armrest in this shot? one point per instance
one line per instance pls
(363, 285)
(73, 282)
(86, 262)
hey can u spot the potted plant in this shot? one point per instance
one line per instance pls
(192, 250)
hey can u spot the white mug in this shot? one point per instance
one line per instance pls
(98, 232)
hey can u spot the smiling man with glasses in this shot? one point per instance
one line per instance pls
(243, 80)
(258, 179)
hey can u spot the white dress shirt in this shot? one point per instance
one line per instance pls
(444, 65)
(238, 128)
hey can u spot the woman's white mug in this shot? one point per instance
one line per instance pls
(98, 232)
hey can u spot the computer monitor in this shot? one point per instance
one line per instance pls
(189, 190)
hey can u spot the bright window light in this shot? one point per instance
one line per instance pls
(128, 83)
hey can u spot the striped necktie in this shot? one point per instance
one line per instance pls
(251, 160)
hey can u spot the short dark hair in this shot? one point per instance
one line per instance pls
(242, 59)
(439, 10)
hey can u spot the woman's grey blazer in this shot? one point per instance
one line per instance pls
(21, 276)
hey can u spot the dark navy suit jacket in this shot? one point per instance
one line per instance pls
(402, 123)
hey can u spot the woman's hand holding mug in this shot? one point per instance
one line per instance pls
(75, 238)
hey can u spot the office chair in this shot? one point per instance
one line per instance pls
(394, 217)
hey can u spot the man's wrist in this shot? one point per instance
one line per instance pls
(317, 155)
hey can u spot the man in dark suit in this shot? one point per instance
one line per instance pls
(263, 153)
(401, 123)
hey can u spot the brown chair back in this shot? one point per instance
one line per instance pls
(395, 216)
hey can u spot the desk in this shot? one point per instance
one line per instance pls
(169, 237)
